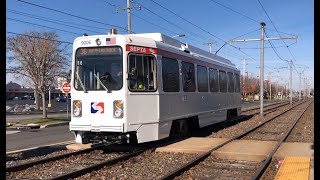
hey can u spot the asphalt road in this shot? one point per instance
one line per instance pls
(38, 137)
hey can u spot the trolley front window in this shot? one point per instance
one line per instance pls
(98, 68)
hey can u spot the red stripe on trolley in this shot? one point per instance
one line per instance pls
(141, 49)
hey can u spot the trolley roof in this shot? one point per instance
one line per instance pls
(168, 42)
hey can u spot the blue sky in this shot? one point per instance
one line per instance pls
(209, 20)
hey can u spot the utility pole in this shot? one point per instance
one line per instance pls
(244, 70)
(270, 86)
(128, 8)
(300, 86)
(244, 75)
(262, 68)
(290, 64)
(262, 39)
(305, 87)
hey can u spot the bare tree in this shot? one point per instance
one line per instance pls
(38, 56)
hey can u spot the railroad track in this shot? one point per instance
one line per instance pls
(221, 169)
(265, 105)
(89, 164)
(95, 165)
(256, 110)
(78, 164)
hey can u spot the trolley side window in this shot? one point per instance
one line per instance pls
(213, 79)
(202, 79)
(237, 85)
(230, 82)
(188, 77)
(142, 72)
(223, 81)
(170, 75)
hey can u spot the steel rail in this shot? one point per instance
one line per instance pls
(54, 158)
(185, 167)
(266, 163)
(86, 170)
(257, 107)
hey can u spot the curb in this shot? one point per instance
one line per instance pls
(41, 127)
(28, 113)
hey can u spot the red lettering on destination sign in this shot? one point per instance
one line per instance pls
(140, 49)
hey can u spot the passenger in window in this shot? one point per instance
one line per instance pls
(140, 85)
(108, 81)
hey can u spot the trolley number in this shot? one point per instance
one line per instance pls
(86, 42)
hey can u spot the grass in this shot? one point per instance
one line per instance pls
(41, 121)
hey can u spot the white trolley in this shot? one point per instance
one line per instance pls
(144, 87)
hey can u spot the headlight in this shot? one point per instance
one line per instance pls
(118, 109)
(77, 108)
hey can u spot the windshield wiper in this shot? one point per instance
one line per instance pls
(101, 83)
(84, 89)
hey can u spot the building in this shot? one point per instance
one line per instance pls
(15, 90)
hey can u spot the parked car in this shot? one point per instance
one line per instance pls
(25, 97)
(61, 99)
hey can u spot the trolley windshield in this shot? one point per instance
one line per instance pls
(98, 68)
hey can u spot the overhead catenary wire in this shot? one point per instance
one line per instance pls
(275, 28)
(274, 49)
(188, 21)
(12, 19)
(202, 29)
(280, 32)
(76, 16)
(64, 23)
(173, 24)
(38, 37)
(267, 47)
(168, 30)
(143, 19)
(237, 12)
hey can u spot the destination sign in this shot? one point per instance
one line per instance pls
(88, 51)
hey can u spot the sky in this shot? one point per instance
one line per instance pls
(215, 21)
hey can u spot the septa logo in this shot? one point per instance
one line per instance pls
(97, 107)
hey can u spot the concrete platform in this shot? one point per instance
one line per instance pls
(246, 150)
(295, 149)
(193, 145)
(78, 147)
